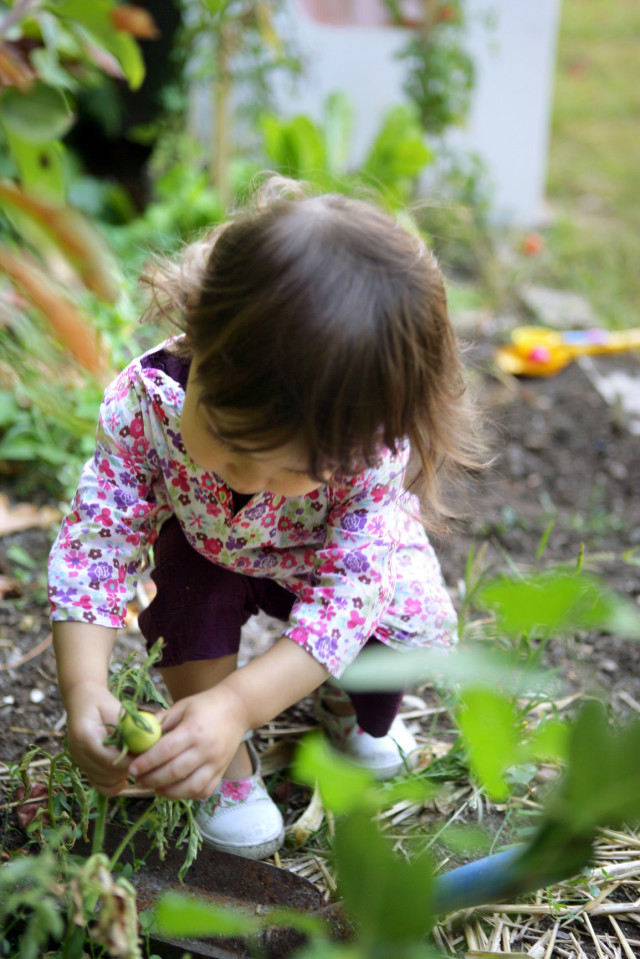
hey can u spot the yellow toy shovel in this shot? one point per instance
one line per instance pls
(537, 351)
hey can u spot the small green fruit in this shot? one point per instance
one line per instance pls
(141, 733)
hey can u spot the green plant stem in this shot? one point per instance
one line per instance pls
(53, 762)
(130, 834)
(101, 819)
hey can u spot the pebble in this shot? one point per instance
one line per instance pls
(618, 471)
(8, 700)
(36, 695)
(608, 665)
(559, 309)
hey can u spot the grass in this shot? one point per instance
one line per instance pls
(594, 243)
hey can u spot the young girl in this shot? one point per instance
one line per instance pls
(264, 454)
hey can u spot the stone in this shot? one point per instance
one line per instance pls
(618, 387)
(559, 309)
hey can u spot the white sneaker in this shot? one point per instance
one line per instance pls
(384, 756)
(241, 818)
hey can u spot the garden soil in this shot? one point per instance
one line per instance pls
(562, 457)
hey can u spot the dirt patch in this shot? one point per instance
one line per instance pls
(562, 459)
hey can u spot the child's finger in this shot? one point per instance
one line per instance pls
(175, 770)
(170, 718)
(172, 744)
(199, 785)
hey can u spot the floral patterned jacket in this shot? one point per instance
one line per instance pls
(352, 553)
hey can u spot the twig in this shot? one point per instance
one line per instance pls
(579, 950)
(5, 771)
(543, 909)
(629, 700)
(630, 954)
(328, 878)
(620, 837)
(40, 648)
(24, 802)
(131, 832)
(593, 936)
(35, 732)
(552, 941)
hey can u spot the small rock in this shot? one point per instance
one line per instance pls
(559, 309)
(536, 441)
(36, 695)
(620, 389)
(608, 665)
(618, 471)
(8, 700)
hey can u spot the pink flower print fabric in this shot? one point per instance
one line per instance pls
(234, 792)
(351, 552)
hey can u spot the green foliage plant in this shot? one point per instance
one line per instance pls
(235, 47)
(319, 152)
(440, 77)
(440, 71)
(51, 51)
(69, 903)
(56, 267)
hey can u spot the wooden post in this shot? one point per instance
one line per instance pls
(429, 15)
(221, 123)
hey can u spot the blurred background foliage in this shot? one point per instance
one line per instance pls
(98, 169)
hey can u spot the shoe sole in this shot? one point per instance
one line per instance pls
(378, 772)
(250, 851)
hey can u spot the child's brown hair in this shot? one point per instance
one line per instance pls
(318, 319)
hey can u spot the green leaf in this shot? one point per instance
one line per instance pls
(296, 145)
(10, 411)
(187, 916)
(31, 448)
(399, 150)
(556, 602)
(192, 917)
(40, 166)
(93, 19)
(489, 726)
(601, 785)
(378, 669)
(40, 114)
(387, 897)
(343, 786)
(550, 742)
(338, 132)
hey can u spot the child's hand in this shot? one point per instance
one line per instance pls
(201, 735)
(91, 711)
